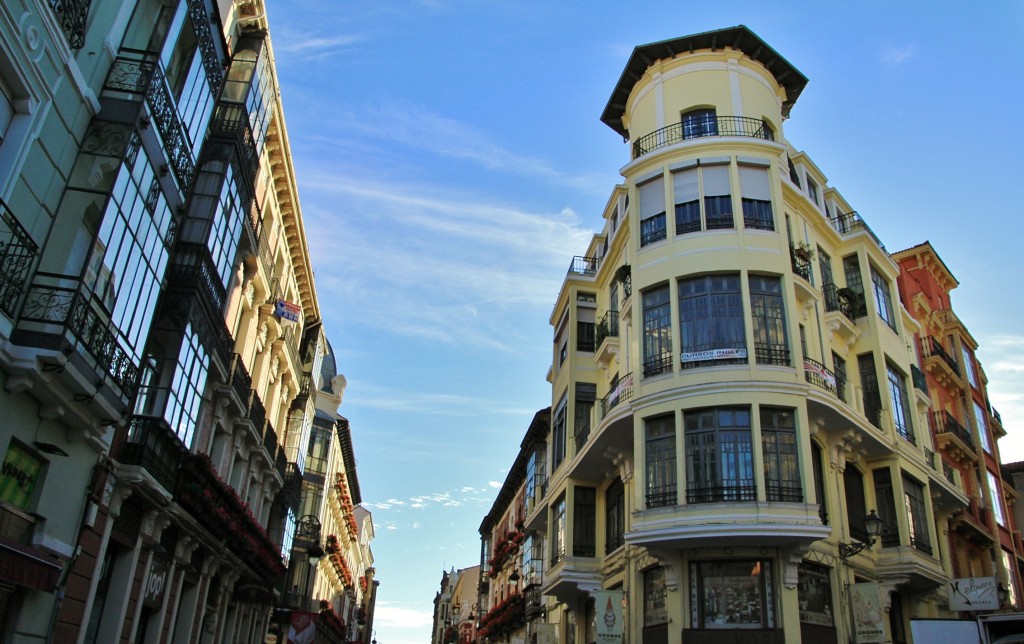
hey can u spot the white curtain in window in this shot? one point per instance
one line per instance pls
(684, 184)
(754, 183)
(716, 180)
(652, 198)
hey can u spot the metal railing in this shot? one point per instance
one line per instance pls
(152, 444)
(231, 122)
(930, 346)
(820, 376)
(800, 263)
(660, 497)
(72, 15)
(621, 392)
(775, 354)
(920, 382)
(784, 492)
(852, 222)
(658, 365)
(256, 412)
(17, 257)
(200, 20)
(943, 422)
(707, 126)
(837, 299)
(59, 303)
(165, 116)
(607, 327)
(192, 266)
(239, 378)
(742, 491)
(584, 265)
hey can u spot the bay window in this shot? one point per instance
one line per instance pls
(660, 459)
(719, 455)
(778, 446)
(657, 331)
(914, 501)
(771, 346)
(883, 298)
(711, 321)
(652, 211)
(900, 403)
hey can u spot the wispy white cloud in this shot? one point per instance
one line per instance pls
(298, 46)
(897, 55)
(494, 484)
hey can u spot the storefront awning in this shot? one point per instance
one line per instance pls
(27, 566)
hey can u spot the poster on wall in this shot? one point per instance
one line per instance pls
(868, 616)
(814, 592)
(608, 604)
(973, 593)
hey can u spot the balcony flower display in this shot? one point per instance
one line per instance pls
(505, 547)
(218, 507)
(504, 618)
(331, 544)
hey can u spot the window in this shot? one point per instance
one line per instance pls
(900, 403)
(558, 531)
(972, 375)
(839, 367)
(319, 449)
(687, 195)
(995, 497)
(855, 284)
(711, 321)
(657, 331)
(979, 421)
(769, 318)
(856, 506)
(812, 190)
(536, 477)
(883, 298)
(558, 435)
(814, 591)
(756, 198)
(614, 516)
(660, 457)
(585, 395)
(584, 522)
(886, 500)
(732, 594)
(871, 397)
(652, 211)
(719, 455)
(818, 463)
(914, 501)
(698, 123)
(655, 606)
(778, 444)
(717, 197)
(585, 338)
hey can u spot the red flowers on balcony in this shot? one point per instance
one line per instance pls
(505, 547)
(341, 489)
(504, 618)
(216, 505)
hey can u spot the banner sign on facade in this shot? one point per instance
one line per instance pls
(287, 311)
(608, 604)
(714, 354)
(868, 616)
(973, 593)
(18, 476)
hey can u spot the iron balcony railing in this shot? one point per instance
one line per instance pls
(17, 257)
(741, 491)
(152, 445)
(256, 412)
(801, 263)
(775, 354)
(872, 399)
(784, 492)
(231, 122)
(584, 265)
(943, 422)
(852, 222)
(930, 346)
(266, 256)
(838, 299)
(239, 378)
(607, 327)
(281, 464)
(621, 392)
(58, 305)
(658, 365)
(820, 376)
(270, 439)
(661, 496)
(201, 22)
(72, 16)
(192, 266)
(707, 126)
(947, 471)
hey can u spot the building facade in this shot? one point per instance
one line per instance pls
(159, 316)
(737, 451)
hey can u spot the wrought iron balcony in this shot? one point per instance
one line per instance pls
(783, 492)
(266, 256)
(270, 440)
(72, 16)
(291, 491)
(206, 46)
(607, 327)
(660, 497)
(239, 379)
(930, 346)
(820, 376)
(776, 354)
(943, 422)
(152, 444)
(920, 382)
(17, 257)
(801, 263)
(256, 412)
(58, 313)
(621, 392)
(738, 493)
(708, 126)
(192, 266)
(852, 222)
(839, 299)
(584, 265)
(231, 123)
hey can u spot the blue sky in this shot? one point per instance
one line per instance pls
(451, 161)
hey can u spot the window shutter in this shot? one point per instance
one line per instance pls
(586, 392)
(754, 183)
(652, 198)
(716, 180)
(685, 186)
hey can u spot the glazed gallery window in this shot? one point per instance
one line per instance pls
(711, 321)
(614, 516)
(899, 402)
(731, 594)
(771, 346)
(558, 435)
(979, 420)
(914, 503)
(655, 595)
(778, 446)
(995, 499)
(756, 198)
(660, 459)
(584, 535)
(719, 455)
(652, 211)
(883, 298)
(972, 375)
(558, 531)
(711, 181)
(657, 331)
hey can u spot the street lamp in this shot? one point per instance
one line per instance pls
(873, 526)
(308, 528)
